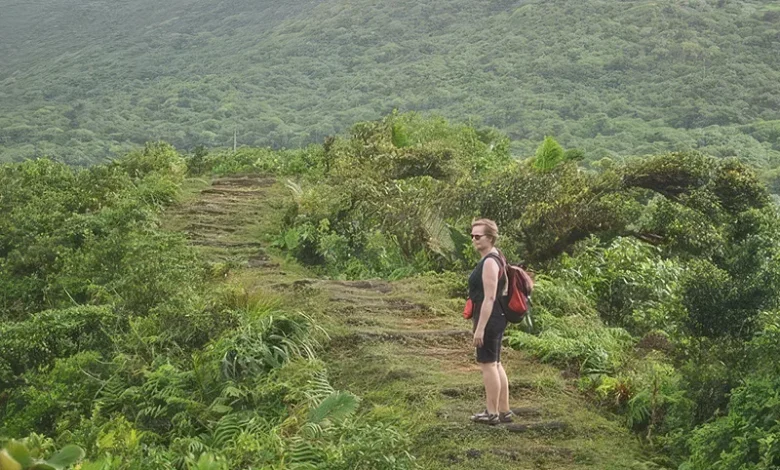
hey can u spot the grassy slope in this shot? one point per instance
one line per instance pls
(402, 347)
(89, 78)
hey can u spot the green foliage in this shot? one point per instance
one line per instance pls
(561, 297)
(632, 285)
(670, 174)
(766, 343)
(565, 206)
(154, 158)
(657, 286)
(264, 160)
(34, 343)
(573, 155)
(383, 209)
(263, 342)
(711, 370)
(113, 339)
(705, 294)
(83, 236)
(747, 436)
(576, 342)
(157, 170)
(548, 155)
(737, 187)
(649, 396)
(655, 271)
(689, 268)
(683, 230)
(652, 77)
(196, 161)
(335, 408)
(26, 454)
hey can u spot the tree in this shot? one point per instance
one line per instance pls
(548, 155)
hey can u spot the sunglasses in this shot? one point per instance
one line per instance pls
(476, 237)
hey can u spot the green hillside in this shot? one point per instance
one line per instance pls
(301, 309)
(83, 81)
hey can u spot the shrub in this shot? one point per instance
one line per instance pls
(35, 343)
(631, 284)
(746, 436)
(576, 343)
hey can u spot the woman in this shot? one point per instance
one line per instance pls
(489, 321)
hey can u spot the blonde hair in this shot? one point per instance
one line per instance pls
(491, 229)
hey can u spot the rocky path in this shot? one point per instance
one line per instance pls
(218, 218)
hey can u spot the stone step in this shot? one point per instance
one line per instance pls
(227, 202)
(382, 287)
(401, 335)
(207, 211)
(543, 427)
(233, 191)
(242, 181)
(210, 242)
(200, 226)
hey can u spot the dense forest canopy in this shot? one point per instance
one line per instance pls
(84, 81)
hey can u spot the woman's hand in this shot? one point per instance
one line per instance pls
(479, 337)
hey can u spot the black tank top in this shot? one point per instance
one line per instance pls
(477, 289)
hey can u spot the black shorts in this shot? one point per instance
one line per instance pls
(490, 351)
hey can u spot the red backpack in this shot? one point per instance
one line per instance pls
(515, 299)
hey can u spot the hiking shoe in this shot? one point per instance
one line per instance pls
(505, 416)
(485, 418)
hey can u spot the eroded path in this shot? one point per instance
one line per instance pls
(403, 346)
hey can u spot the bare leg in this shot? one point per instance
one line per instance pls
(492, 381)
(503, 395)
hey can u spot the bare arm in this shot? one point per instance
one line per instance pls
(490, 284)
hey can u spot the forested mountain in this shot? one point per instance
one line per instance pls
(85, 80)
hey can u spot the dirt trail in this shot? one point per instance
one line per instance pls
(218, 217)
(399, 346)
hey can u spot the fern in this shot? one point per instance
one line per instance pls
(639, 409)
(319, 388)
(312, 430)
(110, 397)
(335, 408)
(304, 455)
(208, 462)
(230, 426)
(226, 430)
(189, 445)
(438, 233)
(295, 188)
(266, 343)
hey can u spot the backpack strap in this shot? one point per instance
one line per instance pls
(501, 269)
(499, 259)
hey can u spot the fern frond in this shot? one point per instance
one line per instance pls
(319, 388)
(311, 430)
(227, 429)
(438, 233)
(109, 398)
(303, 454)
(337, 407)
(295, 188)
